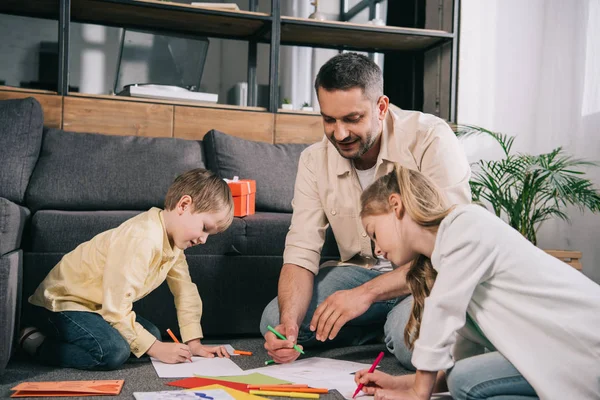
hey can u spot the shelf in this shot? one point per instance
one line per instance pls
(25, 90)
(151, 15)
(298, 112)
(168, 102)
(347, 35)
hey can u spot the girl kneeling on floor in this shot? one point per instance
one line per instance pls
(494, 317)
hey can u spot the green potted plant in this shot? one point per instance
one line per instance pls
(287, 104)
(526, 189)
(306, 107)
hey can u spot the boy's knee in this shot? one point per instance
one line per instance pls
(113, 356)
(270, 316)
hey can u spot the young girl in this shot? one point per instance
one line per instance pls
(85, 303)
(504, 319)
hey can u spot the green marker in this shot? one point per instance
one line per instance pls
(280, 336)
(269, 362)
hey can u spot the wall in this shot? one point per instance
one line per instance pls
(532, 69)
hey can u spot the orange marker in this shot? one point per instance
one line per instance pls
(242, 352)
(176, 341)
(172, 336)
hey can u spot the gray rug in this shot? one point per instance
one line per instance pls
(141, 377)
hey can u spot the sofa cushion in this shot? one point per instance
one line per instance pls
(20, 141)
(55, 231)
(85, 171)
(12, 222)
(275, 227)
(273, 166)
(11, 281)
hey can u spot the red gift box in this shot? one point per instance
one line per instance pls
(244, 196)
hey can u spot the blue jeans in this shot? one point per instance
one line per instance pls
(391, 315)
(488, 376)
(83, 340)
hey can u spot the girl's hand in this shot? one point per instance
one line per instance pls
(170, 353)
(398, 395)
(201, 350)
(374, 381)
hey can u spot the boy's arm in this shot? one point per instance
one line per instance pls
(187, 300)
(125, 271)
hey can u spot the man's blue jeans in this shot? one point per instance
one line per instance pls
(488, 376)
(391, 315)
(83, 340)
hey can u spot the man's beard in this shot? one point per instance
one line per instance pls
(365, 145)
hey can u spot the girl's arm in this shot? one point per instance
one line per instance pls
(425, 383)
(463, 260)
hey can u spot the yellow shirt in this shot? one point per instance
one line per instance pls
(108, 273)
(327, 190)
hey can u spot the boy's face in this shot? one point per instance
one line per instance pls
(386, 231)
(192, 228)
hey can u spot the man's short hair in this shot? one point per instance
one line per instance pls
(351, 70)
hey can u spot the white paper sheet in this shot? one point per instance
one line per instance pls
(318, 372)
(199, 365)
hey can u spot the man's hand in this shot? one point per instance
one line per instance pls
(375, 381)
(282, 351)
(337, 309)
(170, 353)
(201, 350)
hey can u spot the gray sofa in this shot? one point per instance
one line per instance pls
(58, 189)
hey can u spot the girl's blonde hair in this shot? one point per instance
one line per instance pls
(426, 205)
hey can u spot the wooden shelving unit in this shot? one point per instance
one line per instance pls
(251, 26)
(352, 36)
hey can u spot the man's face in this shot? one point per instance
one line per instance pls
(351, 120)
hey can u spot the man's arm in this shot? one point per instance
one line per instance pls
(294, 291)
(345, 305)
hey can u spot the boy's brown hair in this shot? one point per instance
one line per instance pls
(209, 193)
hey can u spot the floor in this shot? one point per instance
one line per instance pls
(141, 377)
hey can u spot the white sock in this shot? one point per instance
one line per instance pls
(30, 339)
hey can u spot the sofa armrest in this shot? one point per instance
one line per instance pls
(12, 222)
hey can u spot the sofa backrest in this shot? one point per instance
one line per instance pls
(21, 124)
(86, 171)
(273, 166)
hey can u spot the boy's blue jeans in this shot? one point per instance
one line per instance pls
(391, 315)
(488, 376)
(83, 340)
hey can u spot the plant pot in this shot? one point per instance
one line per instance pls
(573, 258)
(287, 106)
(307, 109)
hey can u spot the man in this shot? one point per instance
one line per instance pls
(348, 302)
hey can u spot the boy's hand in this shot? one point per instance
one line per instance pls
(201, 350)
(376, 381)
(170, 353)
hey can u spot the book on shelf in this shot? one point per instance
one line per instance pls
(220, 6)
(166, 92)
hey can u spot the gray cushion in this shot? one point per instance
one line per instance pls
(275, 227)
(273, 167)
(12, 222)
(11, 272)
(20, 140)
(55, 231)
(85, 171)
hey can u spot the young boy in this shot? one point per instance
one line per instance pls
(86, 300)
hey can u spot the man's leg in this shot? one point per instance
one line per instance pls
(488, 376)
(82, 340)
(328, 281)
(394, 332)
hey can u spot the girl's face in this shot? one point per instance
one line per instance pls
(388, 232)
